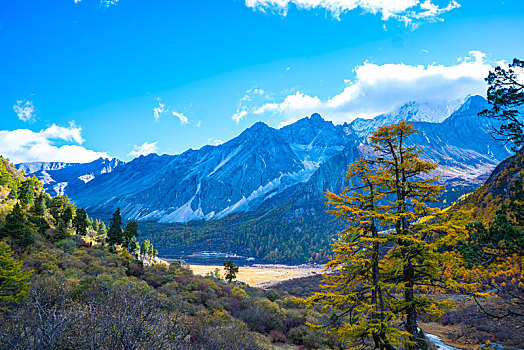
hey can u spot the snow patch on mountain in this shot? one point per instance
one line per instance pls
(86, 178)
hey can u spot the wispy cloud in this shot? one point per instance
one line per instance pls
(377, 89)
(24, 145)
(108, 3)
(183, 119)
(251, 96)
(161, 109)
(411, 12)
(237, 117)
(143, 150)
(103, 3)
(25, 110)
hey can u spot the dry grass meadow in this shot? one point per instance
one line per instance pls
(257, 276)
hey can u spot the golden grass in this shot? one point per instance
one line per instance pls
(256, 276)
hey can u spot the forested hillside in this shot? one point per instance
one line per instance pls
(65, 283)
(490, 197)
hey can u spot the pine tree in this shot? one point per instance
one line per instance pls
(102, 231)
(417, 263)
(130, 232)
(67, 215)
(61, 208)
(13, 281)
(56, 207)
(506, 95)
(146, 248)
(26, 193)
(80, 222)
(354, 291)
(496, 252)
(381, 280)
(96, 225)
(115, 234)
(134, 247)
(231, 270)
(17, 227)
(39, 206)
(61, 231)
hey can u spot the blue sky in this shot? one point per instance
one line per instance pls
(80, 79)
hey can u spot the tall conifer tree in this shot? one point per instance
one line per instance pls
(115, 234)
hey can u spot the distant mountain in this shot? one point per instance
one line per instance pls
(433, 112)
(270, 165)
(63, 178)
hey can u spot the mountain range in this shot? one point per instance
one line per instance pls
(63, 178)
(267, 164)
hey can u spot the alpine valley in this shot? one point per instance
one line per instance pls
(230, 197)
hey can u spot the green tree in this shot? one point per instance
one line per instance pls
(496, 251)
(13, 281)
(506, 95)
(67, 215)
(61, 231)
(80, 222)
(130, 232)
(26, 193)
(17, 227)
(39, 205)
(145, 248)
(134, 247)
(115, 234)
(102, 231)
(96, 225)
(231, 270)
(57, 209)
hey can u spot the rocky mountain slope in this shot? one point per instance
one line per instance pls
(271, 166)
(63, 178)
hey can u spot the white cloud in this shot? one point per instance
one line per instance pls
(25, 110)
(183, 119)
(143, 150)
(159, 109)
(198, 124)
(215, 142)
(103, 3)
(251, 96)
(407, 11)
(377, 89)
(24, 145)
(237, 117)
(108, 3)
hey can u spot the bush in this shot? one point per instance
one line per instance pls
(67, 245)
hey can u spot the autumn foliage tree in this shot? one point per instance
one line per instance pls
(381, 281)
(13, 281)
(355, 292)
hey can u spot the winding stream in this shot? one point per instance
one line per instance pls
(440, 345)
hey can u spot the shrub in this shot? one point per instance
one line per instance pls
(67, 245)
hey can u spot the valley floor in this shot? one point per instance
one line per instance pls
(260, 276)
